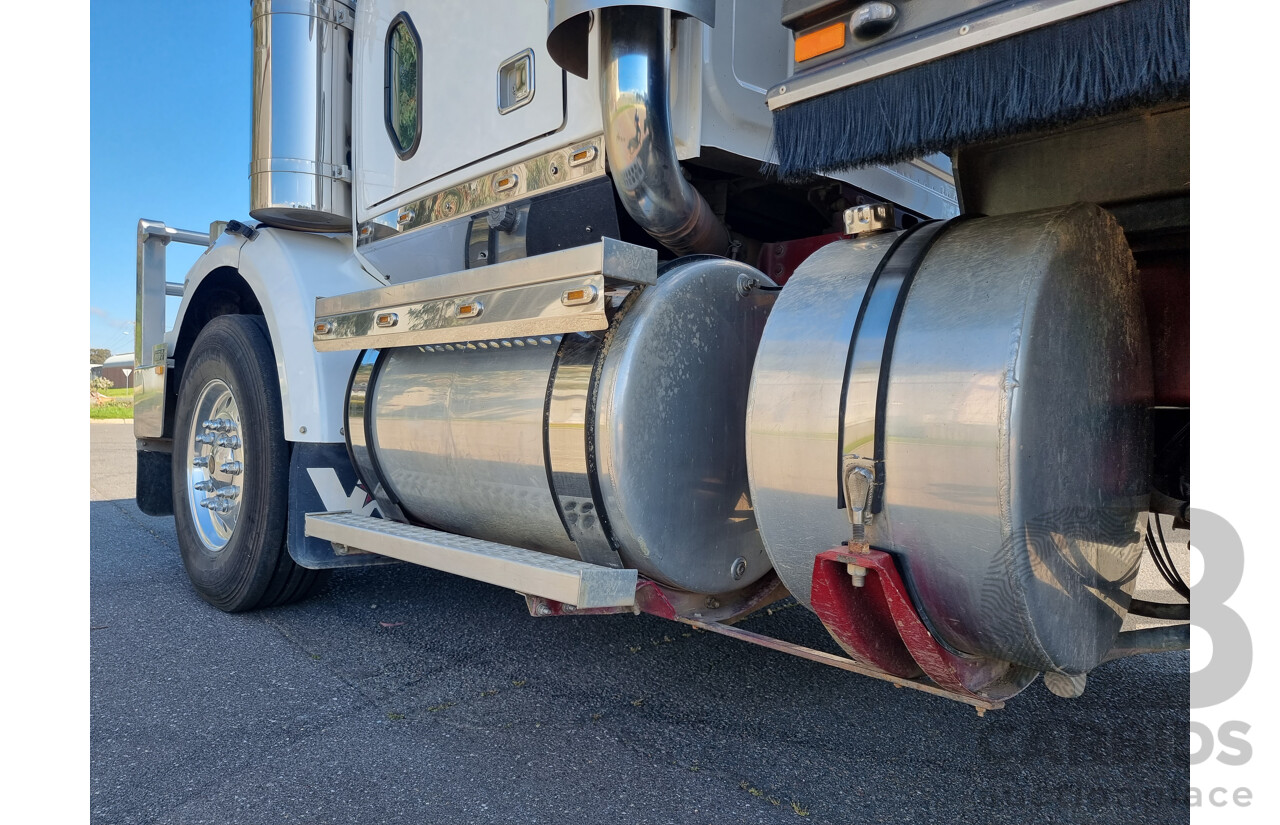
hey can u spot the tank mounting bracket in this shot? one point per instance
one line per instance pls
(877, 623)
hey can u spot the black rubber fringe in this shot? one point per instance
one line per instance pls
(1136, 53)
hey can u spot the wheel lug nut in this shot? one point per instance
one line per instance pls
(210, 424)
(230, 491)
(232, 468)
(202, 486)
(231, 442)
(200, 461)
(205, 438)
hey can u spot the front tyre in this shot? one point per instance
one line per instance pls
(231, 471)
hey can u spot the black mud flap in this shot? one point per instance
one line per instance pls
(321, 479)
(154, 490)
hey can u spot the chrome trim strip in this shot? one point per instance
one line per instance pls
(514, 312)
(963, 35)
(615, 260)
(545, 173)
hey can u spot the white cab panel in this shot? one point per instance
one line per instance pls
(464, 43)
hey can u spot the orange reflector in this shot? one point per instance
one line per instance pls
(584, 155)
(580, 295)
(826, 39)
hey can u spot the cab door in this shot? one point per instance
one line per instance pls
(445, 84)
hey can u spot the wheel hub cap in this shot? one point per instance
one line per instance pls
(215, 465)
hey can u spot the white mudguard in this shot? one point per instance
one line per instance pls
(287, 271)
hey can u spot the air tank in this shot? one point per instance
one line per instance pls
(622, 449)
(997, 414)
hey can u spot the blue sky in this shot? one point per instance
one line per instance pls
(169, 138)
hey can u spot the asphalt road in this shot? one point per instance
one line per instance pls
(400, 694)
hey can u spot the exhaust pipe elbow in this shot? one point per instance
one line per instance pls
(635, 58)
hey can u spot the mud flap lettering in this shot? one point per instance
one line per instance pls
(321, 479)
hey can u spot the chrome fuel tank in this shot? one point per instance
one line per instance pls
(623, 449)
(1003, 415)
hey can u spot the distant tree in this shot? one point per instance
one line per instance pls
(99, 356)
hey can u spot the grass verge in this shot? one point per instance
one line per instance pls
(104, 411)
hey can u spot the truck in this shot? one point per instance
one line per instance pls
(683, 307)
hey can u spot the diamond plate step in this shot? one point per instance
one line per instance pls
(537, 574)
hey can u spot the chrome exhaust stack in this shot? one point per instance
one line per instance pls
(635, 57)
(300, 176)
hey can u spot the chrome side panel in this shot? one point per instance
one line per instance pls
(554, 170)
(300, 176)
(458, 433)
(1017, 439)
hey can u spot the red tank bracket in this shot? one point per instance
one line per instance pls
(877, 623)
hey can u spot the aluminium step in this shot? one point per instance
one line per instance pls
(536, 574)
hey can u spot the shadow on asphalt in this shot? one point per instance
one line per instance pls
(399, 693)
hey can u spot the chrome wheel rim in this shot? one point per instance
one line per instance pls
(215, 463)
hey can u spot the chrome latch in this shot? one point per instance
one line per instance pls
(859, 485)
(868, 219)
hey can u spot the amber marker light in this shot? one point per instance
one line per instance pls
(581, 295)
(825, 39)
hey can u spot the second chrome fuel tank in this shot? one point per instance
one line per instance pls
(992, 378)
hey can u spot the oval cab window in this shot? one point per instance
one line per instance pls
(404, 86)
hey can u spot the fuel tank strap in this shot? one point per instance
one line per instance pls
(866, 385)
(357, 426)
(568, 438)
